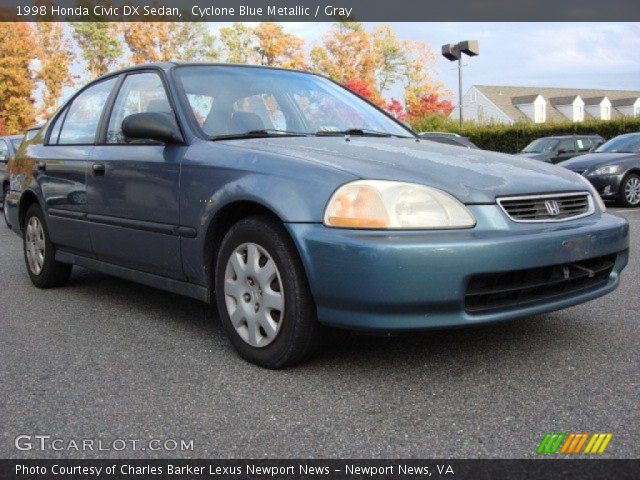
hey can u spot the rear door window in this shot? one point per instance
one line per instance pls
(567, 145)
(81, 122)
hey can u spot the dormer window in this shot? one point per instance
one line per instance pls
(578, 112)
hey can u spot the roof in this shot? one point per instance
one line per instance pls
(525, 99)
(594, 100)
(566, 100)
(624, 102)
(503, 97)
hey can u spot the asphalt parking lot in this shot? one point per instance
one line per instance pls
(104, 358)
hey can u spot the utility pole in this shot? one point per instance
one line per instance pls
(453, 52)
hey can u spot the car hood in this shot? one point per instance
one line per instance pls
(592, 160)
(536, 156)
(472, 176)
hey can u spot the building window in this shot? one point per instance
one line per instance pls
(473, 97)
(605, 113)
(578, 113)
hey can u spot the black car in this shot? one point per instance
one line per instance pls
(563, 147)
(448, 139)
(614, 169)
(8, 148)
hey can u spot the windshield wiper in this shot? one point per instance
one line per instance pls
(362, 132)
(265, 132)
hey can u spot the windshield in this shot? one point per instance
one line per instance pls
(541, 145)
(621, 144)
(232, 100)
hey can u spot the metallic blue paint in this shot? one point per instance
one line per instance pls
(416, 280)
(149, 216)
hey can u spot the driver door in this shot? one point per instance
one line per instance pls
(133, 186)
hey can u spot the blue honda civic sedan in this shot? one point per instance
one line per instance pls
(295, 206)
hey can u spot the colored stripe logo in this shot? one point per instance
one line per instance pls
(574, 443)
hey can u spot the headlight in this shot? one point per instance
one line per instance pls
(394, 205)
(608, 170)
(594, 193)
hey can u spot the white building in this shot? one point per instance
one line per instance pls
(500, 104)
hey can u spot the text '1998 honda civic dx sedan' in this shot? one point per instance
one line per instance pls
(296, 206)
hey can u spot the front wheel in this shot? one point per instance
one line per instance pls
(630, 191)
(263, 297)
(39, 252)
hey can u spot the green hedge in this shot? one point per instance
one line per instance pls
(513, 138)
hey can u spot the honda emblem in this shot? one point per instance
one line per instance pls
(553, 209)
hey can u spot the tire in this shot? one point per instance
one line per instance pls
(629, 195)
(44, 271)
(294, 334)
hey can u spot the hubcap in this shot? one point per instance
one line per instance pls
(254, 295)
(632, 191)
(35, 245)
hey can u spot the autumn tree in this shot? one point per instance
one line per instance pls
(99, 45)
(277, 48)
(165, 41)
(17, 49)
(418, 79)
(237, 43)
(55, 56)
(389, 56)
(346, 54)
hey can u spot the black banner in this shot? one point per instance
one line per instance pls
(318, 10)
(319, 469)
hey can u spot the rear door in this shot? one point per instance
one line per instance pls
(133, 186)
(61, 166)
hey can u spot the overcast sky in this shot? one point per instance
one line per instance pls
(582, 55)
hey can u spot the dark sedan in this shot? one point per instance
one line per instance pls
(8, 148)
(562, 147)
(614, 169)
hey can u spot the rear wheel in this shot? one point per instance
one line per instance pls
(262, 295)
(630, 191)
(39, 252)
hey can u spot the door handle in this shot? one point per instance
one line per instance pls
(41, 166)
(98, 169)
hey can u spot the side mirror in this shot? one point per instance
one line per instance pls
(152, 126)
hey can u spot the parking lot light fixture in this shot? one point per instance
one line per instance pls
(453, 52)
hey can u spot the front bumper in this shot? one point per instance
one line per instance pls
(379, 280)
(608, 186)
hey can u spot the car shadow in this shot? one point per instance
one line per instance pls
(481, 343)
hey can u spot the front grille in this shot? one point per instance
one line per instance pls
(500, 291)
(547, 208)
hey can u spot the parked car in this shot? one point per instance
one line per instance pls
(32, 132)
(448, 139)
(295, 205)
(613, 169)
(562, 147)
(8, 148)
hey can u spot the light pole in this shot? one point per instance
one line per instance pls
(453, 52)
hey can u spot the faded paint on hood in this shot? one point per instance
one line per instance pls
(472, 176)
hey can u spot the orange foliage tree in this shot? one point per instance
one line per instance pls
(277, 48)
(18, 48)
